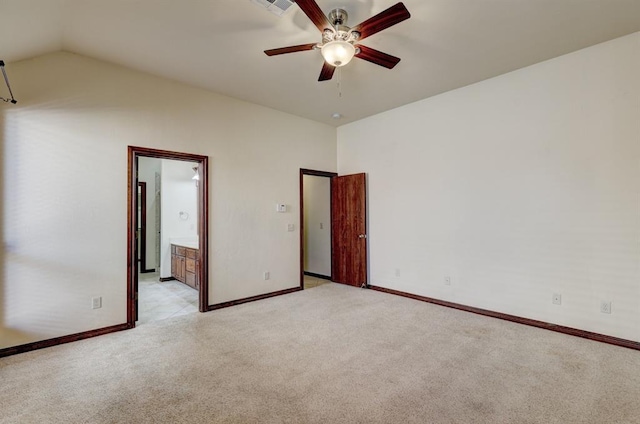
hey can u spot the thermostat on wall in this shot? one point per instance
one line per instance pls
(281, 207)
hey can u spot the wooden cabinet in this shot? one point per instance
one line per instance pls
(185, 265)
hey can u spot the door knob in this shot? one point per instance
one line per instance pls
(362, 236)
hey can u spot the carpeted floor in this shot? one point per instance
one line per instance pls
(333, 354)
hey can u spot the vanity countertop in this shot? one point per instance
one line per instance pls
(191, 244)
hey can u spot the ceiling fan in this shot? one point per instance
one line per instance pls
(338, 45)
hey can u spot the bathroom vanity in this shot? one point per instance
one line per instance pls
(185, 264)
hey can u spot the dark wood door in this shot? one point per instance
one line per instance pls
(142, 227)
(349, 230)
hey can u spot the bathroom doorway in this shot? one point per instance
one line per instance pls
(190, 220)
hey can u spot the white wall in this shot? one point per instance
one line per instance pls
(517, 187)
(317, 224)
(64, 188)
(147, 169)
(179, 200)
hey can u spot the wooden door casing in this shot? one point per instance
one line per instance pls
(133, 154)
(348, 239)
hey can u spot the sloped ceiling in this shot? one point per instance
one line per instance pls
(218, 45)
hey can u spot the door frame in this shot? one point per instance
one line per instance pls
(316, 173)
(134, 153)
(143, 228)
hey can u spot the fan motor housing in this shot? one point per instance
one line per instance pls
(338, 17)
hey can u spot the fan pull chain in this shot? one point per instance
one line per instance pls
(339, 83)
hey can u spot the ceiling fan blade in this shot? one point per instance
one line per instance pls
(383, 20)
(313, 12)
(290, 49)
(327, 72)
(377, 57)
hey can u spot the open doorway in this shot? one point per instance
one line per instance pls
(179, 254)
(315, 227)
(143, 234)
(165, 288)
(347, 228)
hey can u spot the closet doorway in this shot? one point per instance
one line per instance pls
(315, 227)
(143, 234)
(347, 229)
(195, 218)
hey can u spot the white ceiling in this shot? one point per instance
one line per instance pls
(219, 44)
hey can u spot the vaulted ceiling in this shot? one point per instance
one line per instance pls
(218, 45)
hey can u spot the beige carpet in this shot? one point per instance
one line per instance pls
(332, 354)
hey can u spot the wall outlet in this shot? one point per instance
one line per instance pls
(281, 207)
(447, 280)
(266, 275)
(291, 227)
(397, 272)
(557, 299)
(605, 307)
(96, 302)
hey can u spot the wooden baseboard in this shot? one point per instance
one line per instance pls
(162, 280)
(61, 340)
(526, 321)
(252, 298)
(313, 274)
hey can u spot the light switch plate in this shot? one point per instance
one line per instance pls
(96, 302)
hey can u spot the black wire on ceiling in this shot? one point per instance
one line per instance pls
(6, 80)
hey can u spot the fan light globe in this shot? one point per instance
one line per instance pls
(338, 53)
